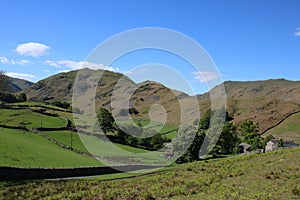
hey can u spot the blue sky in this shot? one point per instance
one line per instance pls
(248, 40)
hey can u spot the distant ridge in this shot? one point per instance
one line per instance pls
(17, 85)
(266, 102)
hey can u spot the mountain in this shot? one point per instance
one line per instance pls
(143, 97)
(14, 85)
(264, 102)
(17, 85)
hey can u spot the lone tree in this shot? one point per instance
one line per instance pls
(3, 81)
(106, 121)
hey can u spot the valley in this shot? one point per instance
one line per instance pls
(41, 133)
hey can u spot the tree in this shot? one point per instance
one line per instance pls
(156, 141)
(267, 139)
(3, 81)
(280, 142)
(62, 104)
(138, 137)
(22, 97)
(192, 153)
(250, 134)
(228, 139)
(106, 121)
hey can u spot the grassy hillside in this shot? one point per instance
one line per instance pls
(60, 86)
(288, 129)
(273, 175)
(17, 85)
(264, 102)
(26, 149)
(273, 88)
(29, 119)
(65, 138)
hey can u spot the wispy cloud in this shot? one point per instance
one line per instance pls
(20, 62)
(297, 32)
(21, 76)
(32, 49)
(205, 76)
(67, 65)
(4, 60)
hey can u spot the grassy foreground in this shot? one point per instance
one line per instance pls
(274, 175)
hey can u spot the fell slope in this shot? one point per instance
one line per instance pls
(272, 175)
(60, 87)
(264, 102)
(26, 149)
(17, 85)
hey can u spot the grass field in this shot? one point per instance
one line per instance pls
(26, 149)
(289, 128)
(65, 138)
(29, 119)
(167, 130)
(26, 117)
(119, 153)
(36, 104)
(274, 175)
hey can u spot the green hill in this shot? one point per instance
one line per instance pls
(265, 102)
(289, 129)
(26, 149)
(24, 115)
(272, 175)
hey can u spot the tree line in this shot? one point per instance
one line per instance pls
(131, 135)
(211, 122)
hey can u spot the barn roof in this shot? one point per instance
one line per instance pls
(245, 145)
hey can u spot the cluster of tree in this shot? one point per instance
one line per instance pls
(3, 81)
(250, 135)
(227, 142)
(130, 135)
(22, 97)
(126, 112)
(190, 138)
(136, 136)
(61, 104)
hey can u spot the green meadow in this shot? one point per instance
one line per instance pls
(29, 119)
(289, 128)
(26, 149)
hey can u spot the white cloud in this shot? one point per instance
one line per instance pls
(32, 49)
(21, 75)
(67, 65)
(52, 63)
(20, 62)
(205, 76)
(297, 32)
(4, 60)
